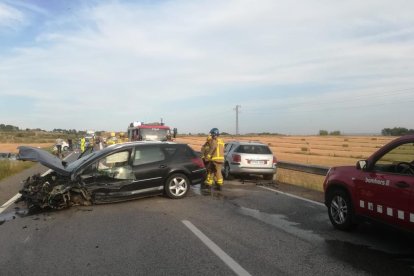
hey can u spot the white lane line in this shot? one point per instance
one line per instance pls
(16, 196)
(294, 196)
(9, 202)
(216, 250)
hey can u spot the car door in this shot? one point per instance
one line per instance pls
(110, 176)
(227, 148)
(385, 191)
(150, 168)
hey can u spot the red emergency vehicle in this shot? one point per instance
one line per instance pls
(139, 131)
(380, 188)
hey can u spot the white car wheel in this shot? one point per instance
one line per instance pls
(177, 186)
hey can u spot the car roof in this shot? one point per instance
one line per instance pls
(258, 143)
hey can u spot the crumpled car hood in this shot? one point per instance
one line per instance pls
(43, 157)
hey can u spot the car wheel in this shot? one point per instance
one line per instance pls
(268, 176)
(65, 148)
(340, 210)
(226, 173)
(177, 186)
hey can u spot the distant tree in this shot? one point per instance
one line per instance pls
(323, 132)
(8, 127)
(335, 133)
(396, 131)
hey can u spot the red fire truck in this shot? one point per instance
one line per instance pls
(138, 131)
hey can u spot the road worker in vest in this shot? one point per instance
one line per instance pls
(216, 158)
(82, 144)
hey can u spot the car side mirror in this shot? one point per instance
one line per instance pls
(361, 165)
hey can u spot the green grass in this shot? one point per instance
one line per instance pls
(32, 136)
(10, 167)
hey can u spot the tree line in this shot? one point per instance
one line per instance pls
(396, 131)
(8, 127)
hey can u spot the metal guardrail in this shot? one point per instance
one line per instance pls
(313, 169)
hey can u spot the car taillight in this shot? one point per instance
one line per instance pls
(197, 161)
(236, 158)
(274, 160)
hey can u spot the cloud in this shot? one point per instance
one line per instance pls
(10, 17)
(134, 60)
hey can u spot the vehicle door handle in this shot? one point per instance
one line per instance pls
(162, 166)
(402, 185)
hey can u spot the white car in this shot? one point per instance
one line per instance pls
(243, 158)
(65, 146)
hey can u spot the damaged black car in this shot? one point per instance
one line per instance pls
(116, 173)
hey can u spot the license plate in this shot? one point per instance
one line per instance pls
(257, 162)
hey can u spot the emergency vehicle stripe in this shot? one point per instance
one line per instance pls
(379, 209)
(390, 212)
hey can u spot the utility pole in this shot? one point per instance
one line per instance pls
(237, 118)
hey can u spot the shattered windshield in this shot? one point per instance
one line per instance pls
(77, 163)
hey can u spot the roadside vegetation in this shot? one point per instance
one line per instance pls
(11, 137)
(10, 167)
(24, 136)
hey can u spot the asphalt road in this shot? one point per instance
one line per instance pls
(245, 229)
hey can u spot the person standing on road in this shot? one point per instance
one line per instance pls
(82, 144)
(59, 143)
(216, 157)
(205, 149)
(70, 144)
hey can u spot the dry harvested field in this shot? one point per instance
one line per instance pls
(12, 147)
(315, 150)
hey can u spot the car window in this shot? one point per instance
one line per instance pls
(228, 147)
(113, 166)
(170, 150)
(187, 151)
(145, 155)
(391, 161)
(253, 149)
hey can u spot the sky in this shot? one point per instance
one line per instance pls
(294, 67)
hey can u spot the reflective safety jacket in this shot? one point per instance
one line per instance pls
(216, 153)
(205, 149)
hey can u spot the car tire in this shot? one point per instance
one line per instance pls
(226, 172)
(177, 186)
(268, 176)
(65, 148)
(340, 210)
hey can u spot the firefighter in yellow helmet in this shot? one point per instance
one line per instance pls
(216, 157)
